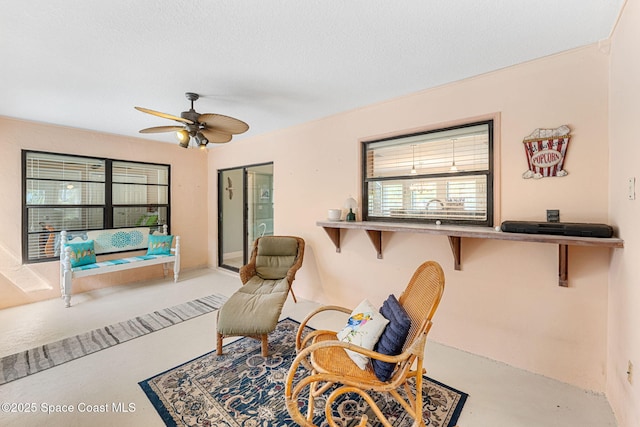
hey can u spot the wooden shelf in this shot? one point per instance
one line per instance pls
(456, 233)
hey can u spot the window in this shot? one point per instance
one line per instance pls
(442, 175)
(73, 193)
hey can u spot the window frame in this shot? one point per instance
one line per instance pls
(490, 174)
(108, 207)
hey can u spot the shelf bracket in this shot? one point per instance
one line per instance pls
(376, 239)
(334, 235)
(563, 265)
(455, 242)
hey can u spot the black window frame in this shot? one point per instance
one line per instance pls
(489, 173)
(108, 206)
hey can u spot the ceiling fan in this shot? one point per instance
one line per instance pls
(201, 128)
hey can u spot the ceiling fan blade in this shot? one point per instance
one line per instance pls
(164, 115)
(224, 123)
(214, 135)
(160, 129)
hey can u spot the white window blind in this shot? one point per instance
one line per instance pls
(444, 175)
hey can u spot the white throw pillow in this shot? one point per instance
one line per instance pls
(364, 327)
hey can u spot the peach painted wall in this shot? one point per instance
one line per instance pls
(33, 282)
(624, 289)
(505, 303)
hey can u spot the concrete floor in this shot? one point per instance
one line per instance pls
(500, 395)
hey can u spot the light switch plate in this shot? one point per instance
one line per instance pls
(631, 192)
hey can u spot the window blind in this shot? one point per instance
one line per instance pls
(443, 175)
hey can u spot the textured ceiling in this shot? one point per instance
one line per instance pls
(273, 64)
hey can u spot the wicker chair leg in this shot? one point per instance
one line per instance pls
(310, 403)
(219, 340)
(292, 294)
(265, 345)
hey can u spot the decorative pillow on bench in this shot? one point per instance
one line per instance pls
(363, 329)
(82, 253)
(393, 337)
(159, 244)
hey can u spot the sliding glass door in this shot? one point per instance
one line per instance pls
(259, 203)
(245, 212)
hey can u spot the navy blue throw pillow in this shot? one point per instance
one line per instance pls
(393, 337)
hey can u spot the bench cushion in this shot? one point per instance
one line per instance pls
(119, 261)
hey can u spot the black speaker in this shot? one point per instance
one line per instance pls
(575, 229)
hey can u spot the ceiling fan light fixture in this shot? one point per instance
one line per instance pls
(183, 137)
(201, 140)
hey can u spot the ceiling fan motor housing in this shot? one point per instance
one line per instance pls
(191, 114)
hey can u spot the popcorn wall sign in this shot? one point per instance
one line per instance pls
(546, 150)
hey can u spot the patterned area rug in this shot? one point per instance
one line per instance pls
(241, 388)
(37, 359)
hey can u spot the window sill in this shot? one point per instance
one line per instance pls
(455, 233)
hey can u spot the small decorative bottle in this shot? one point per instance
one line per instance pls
(351, 216)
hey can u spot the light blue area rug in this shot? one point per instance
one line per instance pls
(47, 356)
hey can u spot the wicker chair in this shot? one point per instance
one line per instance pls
(330, 368)
(247, 272)
(254, 309)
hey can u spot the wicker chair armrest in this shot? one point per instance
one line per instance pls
(307, 338)
(247, 272)
(303, 324)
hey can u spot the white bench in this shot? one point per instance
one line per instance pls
(109, 241)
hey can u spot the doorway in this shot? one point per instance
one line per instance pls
(245, 212)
